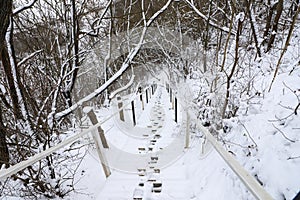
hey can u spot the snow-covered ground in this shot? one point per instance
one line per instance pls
(191, 173)
(266, 138)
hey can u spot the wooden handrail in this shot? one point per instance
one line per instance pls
(249, 181)
(5, 173)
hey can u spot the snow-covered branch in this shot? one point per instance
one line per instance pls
(28, 57)
(225, 29)
(96, 23)
(123, 68)
(24, 7)
(114, 93)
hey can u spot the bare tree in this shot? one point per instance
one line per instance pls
(236, 59)
(287, 42)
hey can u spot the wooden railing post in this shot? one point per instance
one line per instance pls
(187, 134)
(120, 106)
(167, 87)
(133, 113)
(101, 156)
(176, 110)
(92, 116)
(152, 88)
(141, 98)
(147, 96)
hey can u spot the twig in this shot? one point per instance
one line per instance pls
(226, 141)
(295, 110)
(286, 107)
(251, 138)
(290, 158)
(280, 119)
(282, 133)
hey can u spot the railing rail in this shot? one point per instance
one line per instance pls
(248, 180)
(5, 173)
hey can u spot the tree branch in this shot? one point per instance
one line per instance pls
(123, 68)
(22, 8)
(213, 24)
(282, 133)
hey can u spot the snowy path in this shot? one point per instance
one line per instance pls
(152, 154)
(145, 150)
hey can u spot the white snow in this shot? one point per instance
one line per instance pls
(185, 173)
(202, 174)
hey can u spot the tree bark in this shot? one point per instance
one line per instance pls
(5, 14)
(73, 53)
(229, 77)
(287, 43)
(268, 21)
(4, 57)
(4, 154)
(279, 10)
(253, 28)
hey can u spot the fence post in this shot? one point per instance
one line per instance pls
(92, 116)
(102, 158)
(168, 88)
(187, 134)
(146, 95)
(149, 93)
(141, 98)
(120, 106)
(203, 145)
(176, 110)
(152, 88)
(170, 95)
(133, 113)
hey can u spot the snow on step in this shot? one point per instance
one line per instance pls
(118, 186)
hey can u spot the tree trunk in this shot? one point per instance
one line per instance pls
(268, 21)
(75, 34)
(206, 39)
(73, 54)
(10, 81)
(279, 9)
(4, 154)
(5, 13)
(287, 43)
(229, 77)
(253, 28)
